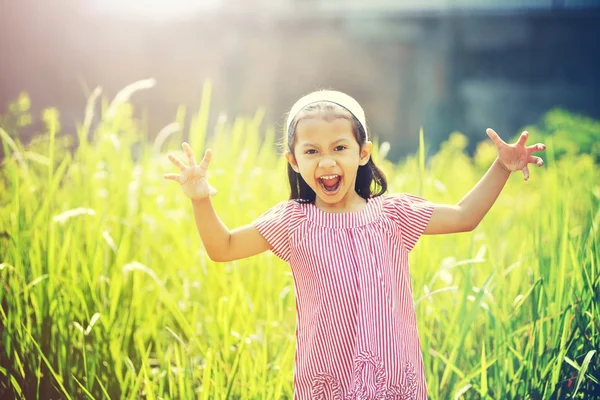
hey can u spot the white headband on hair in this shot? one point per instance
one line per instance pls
(331, 96)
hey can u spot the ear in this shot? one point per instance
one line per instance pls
(292, 160)
(365, 153)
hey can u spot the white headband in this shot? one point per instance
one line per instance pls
(331, 96)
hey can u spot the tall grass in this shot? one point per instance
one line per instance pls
(106, 292)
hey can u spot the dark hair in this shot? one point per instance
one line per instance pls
(370, 180)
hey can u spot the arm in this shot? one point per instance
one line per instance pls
(468, 213)
(220, 243)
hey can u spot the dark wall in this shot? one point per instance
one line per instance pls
(443, 72)
(528, 65)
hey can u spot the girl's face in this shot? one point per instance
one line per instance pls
(327, 156)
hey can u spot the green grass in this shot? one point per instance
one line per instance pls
(106, 292)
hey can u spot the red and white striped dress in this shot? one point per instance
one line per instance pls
(356, 331)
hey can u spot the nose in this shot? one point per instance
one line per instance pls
(327, 162)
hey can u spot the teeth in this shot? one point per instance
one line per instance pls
(329, 177)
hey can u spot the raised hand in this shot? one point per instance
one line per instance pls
(192, 179)
(517, 156)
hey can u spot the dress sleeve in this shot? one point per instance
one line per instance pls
(412, 214)
(275, 225)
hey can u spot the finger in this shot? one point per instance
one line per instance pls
(175, 160)
(190, 153)
(525, 173)
(206, 159)
(536, 147)
(173, 177)
(211, 190)
(523, 138)
(495, 138)
(535, 160)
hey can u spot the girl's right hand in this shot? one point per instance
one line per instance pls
(192, 179)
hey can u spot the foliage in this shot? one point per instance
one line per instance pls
(106, 292)
(571, 134)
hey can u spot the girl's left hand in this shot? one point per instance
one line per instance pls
(516, 156)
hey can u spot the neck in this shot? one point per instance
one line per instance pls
(350, 203)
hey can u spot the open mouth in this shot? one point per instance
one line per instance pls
(330, 183)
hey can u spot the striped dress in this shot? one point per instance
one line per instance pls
(356, 331)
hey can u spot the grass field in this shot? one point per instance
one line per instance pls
(106, 292)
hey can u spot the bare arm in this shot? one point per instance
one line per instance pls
(468, 213)
(221, 244)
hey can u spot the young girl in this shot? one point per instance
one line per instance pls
(347, 245)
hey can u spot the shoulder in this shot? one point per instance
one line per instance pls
(406, 206)
(411, 214)
(279, 226)
(287, 207)
(284, 212)
(401, 199)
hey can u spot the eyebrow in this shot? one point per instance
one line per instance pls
(333, 144)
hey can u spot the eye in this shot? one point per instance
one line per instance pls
(340, 148)
(310, 151)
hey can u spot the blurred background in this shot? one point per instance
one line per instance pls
(444, 65)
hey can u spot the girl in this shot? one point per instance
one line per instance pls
(347, 246)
